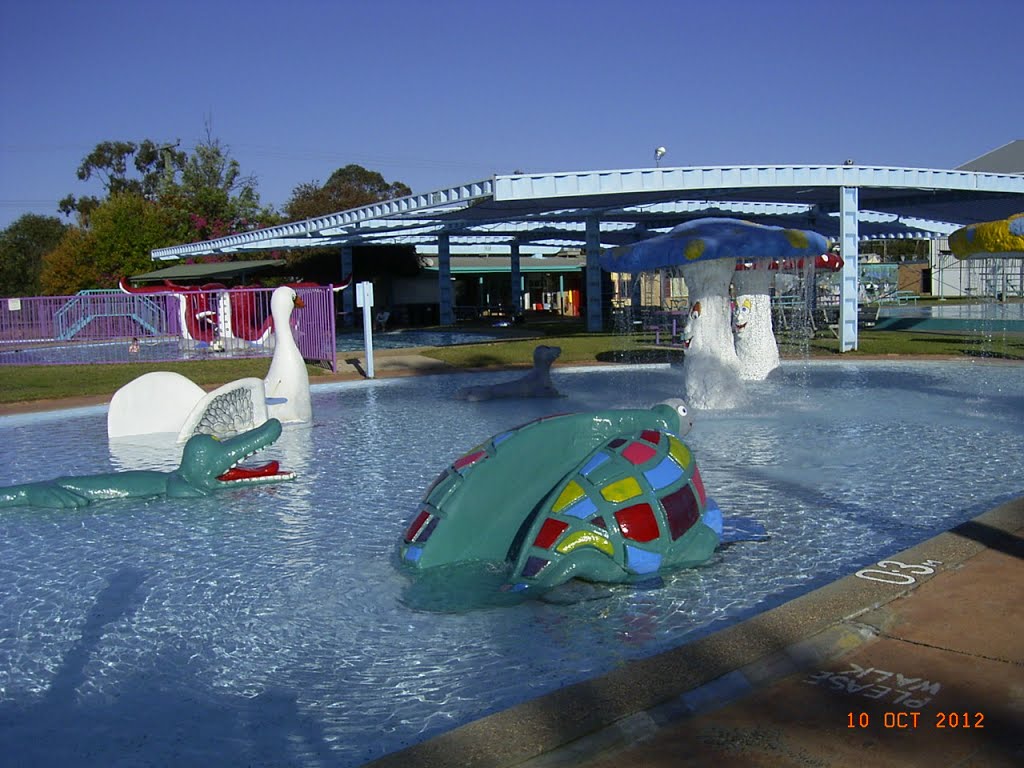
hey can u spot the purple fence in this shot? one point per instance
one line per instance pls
(115, 327)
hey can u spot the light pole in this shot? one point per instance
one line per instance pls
(658, 154)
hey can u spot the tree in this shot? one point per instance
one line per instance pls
(155, 166)
(217, 199)
(156, 195)
(22, 246)
(122, 232)
(349, 187)
(67, 268)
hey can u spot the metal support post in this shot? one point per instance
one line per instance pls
(593, 275)
(848, 287)
(444, 280)
(364, 299)
(348, 317)
(517, 282)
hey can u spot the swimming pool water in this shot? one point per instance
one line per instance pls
(980, 312)
(269, 626)
(155, 350)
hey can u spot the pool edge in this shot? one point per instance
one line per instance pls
(584, 721)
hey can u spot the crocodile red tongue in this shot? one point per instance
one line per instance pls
(246, 473)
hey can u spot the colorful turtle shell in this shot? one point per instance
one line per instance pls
(635, 507)
(609, 496)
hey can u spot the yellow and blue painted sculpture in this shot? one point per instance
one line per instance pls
(704, 252)
(1004, 237)
(610, 496)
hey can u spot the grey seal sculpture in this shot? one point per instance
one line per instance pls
(537, 383)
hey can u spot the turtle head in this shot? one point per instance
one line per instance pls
(678, 417)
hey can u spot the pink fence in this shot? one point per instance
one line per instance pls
(116, 327)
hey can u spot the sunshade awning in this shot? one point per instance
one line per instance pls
(220, 270)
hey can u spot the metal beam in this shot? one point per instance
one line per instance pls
(648, 180)
(451, 196)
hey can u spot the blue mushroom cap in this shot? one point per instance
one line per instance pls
(714, 238)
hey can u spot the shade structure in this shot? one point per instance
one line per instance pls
(217, 270)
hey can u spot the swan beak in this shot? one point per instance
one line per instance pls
(299, 302)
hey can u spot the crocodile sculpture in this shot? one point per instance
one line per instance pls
(207, 464)
(609, 496)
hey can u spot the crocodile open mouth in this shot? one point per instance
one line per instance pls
(262, 473)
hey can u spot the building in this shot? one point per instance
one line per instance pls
(998, 278)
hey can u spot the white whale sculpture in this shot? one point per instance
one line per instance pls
(169, 402)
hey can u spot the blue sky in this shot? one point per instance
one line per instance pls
(439, 93)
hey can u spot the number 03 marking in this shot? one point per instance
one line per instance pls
(901, 573)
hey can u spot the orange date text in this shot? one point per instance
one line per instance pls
(905, 720)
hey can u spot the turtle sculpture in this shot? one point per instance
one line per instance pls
(207, 464)
(609, 496)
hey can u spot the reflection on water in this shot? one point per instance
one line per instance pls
(159, 451)
(270, 622)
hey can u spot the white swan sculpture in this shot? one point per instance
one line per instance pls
(169, 402)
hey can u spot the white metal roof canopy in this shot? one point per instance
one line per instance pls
(603, 208)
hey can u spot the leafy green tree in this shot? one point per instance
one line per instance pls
(122, 231)
(214, 196)
(22, 246)
(155, 166)
(156, 195)
(349, 187)
(68, 268)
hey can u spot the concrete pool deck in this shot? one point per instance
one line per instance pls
(919, 660)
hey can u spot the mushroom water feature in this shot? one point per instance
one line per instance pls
(753, 334)
(990, 239)
(704, 252)
(752, 325)
(711, 367)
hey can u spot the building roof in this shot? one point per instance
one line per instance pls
(221, 270)
(1009, 158)
(553, 209)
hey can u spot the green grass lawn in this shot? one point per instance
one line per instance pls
(20, 384)
(41, 382)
